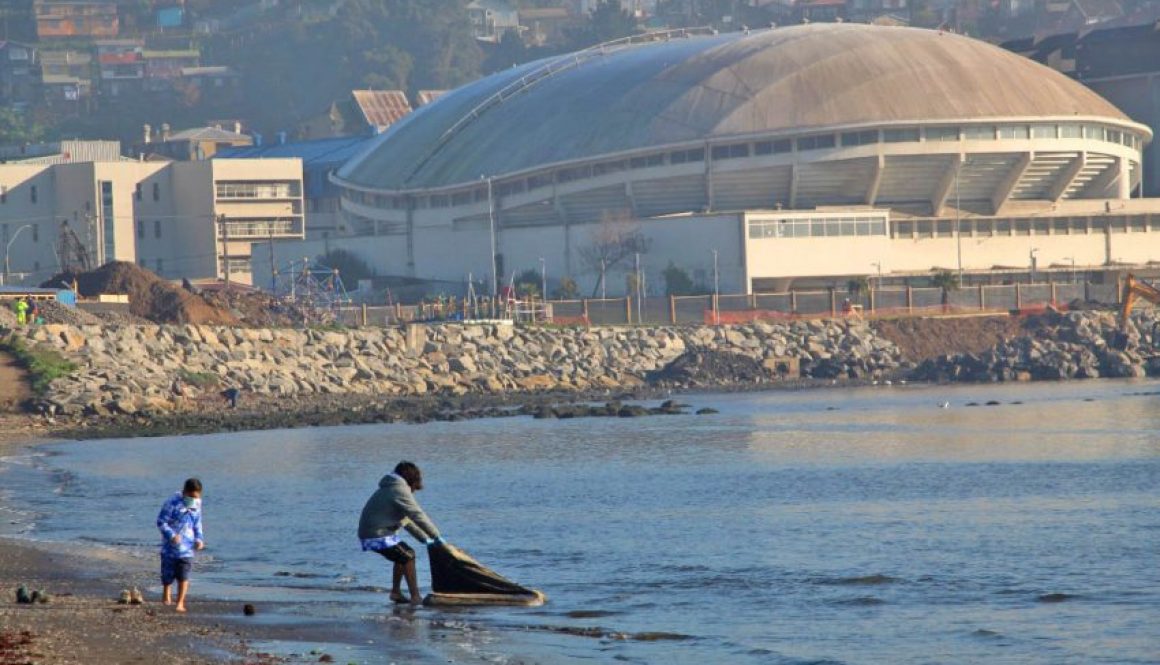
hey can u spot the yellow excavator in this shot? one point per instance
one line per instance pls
(1133, 290)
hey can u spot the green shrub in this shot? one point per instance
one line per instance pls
(198, 379)
(43, 363)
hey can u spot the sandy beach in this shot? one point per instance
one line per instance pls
(83, 622)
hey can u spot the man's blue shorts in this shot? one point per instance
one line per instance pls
(173, 568)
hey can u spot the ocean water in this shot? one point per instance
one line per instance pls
(836, 526)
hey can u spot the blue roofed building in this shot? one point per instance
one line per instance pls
(319, 158)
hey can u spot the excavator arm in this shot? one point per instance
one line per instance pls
(1135, 289)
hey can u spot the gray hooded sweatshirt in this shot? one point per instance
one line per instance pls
(392, 506)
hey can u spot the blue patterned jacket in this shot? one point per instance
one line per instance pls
(177, 520)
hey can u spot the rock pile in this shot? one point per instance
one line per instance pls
(133, 369)
(1076, 345)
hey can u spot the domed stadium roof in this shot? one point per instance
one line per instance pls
(712, 87)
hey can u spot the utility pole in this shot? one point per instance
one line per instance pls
(491, 232)
(225, 240)
(543, 280)
(716, 290)
(273, 271)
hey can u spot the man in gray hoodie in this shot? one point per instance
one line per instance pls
(391, 507)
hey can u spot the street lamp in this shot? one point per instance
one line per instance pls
(543, 280)
(959, 220)
(491, 232)
(1072, 259)
(1034, 250)
(8, 247)
(716, 290)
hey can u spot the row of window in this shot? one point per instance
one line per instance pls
(6, 230)
(748, 149)
(256, 190)
(260, 228)
(33, 194)
(944, 228)
(138, 194)
(817, 227)
(141, 228)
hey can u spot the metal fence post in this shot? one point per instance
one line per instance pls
(1087, 294)
(673, 310)
(1053, 293)
(584, 308)
(833, 301)
(982, 298)
(909, 299)
(628, 308)
(871, 293)
(793, 302)
(1018, 296)
(364, 314)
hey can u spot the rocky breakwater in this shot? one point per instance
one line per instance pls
(146, 369)
(1075, 345)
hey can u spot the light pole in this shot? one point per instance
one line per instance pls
(716, 289)
(1034, 250)
(959, 221)
(8, 246)
(543, 280)
(491, 232)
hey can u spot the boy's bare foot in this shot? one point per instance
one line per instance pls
(416, 600)
(397, 597)
(180, 608)
(166, 601)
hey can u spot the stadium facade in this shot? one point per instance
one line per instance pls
(807, 153)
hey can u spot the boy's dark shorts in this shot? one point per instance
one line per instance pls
(173, 568)
(399, 553)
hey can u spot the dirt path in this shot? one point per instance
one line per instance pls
(923, 338)
(13, 383)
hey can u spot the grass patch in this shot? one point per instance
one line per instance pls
(198, 379)
(43, 363)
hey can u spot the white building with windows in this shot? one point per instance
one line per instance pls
(193, 220)
(814, 153)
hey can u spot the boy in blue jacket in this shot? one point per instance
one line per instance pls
(180, 524)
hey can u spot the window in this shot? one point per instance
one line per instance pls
(3, 193)
(1138, 223)
(684, 156)
(32, 193)
(1070, 132)
(1013, 132)
(608, 167)
(818, 227)
(904, 229)
(903, 135)
(36, 233)
(942, 134)
(646, 162)
(1112, 136)
(140, 229)
(1040, 227)
(157, 193)
(816, 142)
(1093, 132)
(782, 145)
(1059, 226)
(1043, 131)
(1003, 227)
(864, 137)
(1023, 227)
(944, 228)
(160, 265)
(730, 151)
(157, 228)
(1079, 225)
(979, 133)
(137, 193)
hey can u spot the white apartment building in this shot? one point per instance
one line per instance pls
(192, 220)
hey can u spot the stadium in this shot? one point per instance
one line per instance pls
(761, 159)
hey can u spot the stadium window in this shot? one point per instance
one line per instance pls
(979, 133)
(848, 226)
(942, 133)
(540, 181)
(1093, 132)
(904, 229)
(720, 152)
(925, 228)
(697, 155)
(1112, 136)
(608, 167)
(782, 145)
(646, 162)
(1138, 223)
(902, 135)
(864, 137)
(140, 229)
(1013, 132)
(1023, 227)
(1043, 131)
(157, 228)
(1118, 224)
(461, 198)
(160, 265)
(1002, 227)
(156, 191)
(1041, 227)
(36, 233)
(32, 193)
(816, 142)
(1059, 226)
(1070, 132)
(944, 228)
(481, 194)
(966, 227)
(137, 192)
(763, 148)
(1079, 225)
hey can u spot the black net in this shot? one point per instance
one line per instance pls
(455, 571)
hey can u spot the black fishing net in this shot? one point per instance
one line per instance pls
(455, 571)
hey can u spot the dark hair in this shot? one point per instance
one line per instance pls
(191, 485)
(410, 473)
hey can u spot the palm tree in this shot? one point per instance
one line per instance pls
(946, 281)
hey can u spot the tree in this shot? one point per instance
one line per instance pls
(527, 283)
(606, 23)
(568, 289)
(350, 267)
(612, 241)
(16, 128)
(856, 286)
(946, 281)
(677, 281)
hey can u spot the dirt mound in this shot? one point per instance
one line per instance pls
(923, 338)
(150, 297)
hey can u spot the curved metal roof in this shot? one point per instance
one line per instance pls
(698, 88)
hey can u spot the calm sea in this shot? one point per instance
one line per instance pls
(843, 526)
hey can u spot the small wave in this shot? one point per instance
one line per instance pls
(1056, 597)
(984, 633)
(589, 614)
(601, 633)
(287, 573)
(860, 580)
(861, 601)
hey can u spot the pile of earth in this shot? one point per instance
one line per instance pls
(253, 307)
(150, 297)
(923, 338)
(703, 367)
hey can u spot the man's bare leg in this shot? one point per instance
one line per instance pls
(166, 594)
(182, 589)
(413, 583)
(396, 582)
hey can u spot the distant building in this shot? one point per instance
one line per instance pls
(93, 19)
(62, 152)
(492, 19)
(66, 79)
(364, 112)
(19, 75)
(221, 83)
(163, 67)
(425, 97)
(548, 25)
(120, 67)
(179, 219)
(821, 11)
(320, 158)
(190, 144)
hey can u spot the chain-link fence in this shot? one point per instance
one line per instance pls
(690, 310)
